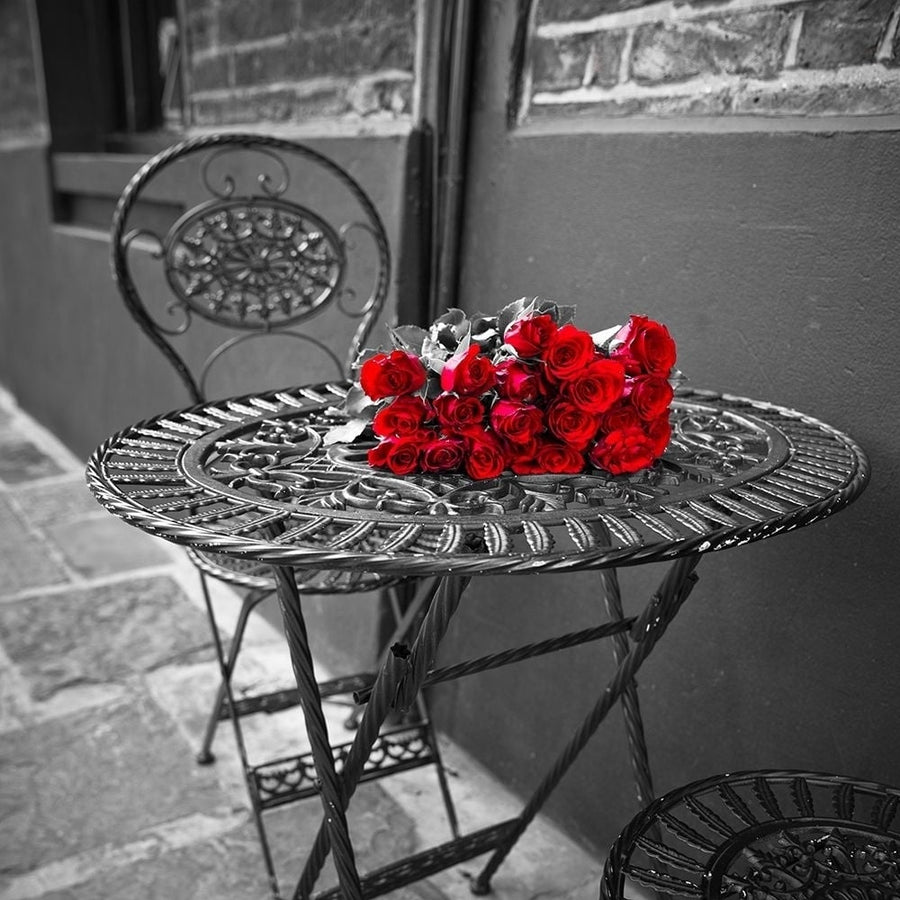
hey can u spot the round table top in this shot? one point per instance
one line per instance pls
(252, 477)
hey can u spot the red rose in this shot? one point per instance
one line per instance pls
(457, 414)
(518, 423)
(468, 373)
(519, 381)
(571, 424)
(401, 417)
(644, 347)
(377, 456)
(403, 454)
(623, 451)
(597, 387)
(622, 415)
(442, 455)
(659, 431)
(530, 336)
(523, 457)
(650, 395)
(559, 459)
(391, 375)
(484, 456)
(570, 350)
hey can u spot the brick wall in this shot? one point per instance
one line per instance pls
(713, 58)
(290, 60)
(20, 104)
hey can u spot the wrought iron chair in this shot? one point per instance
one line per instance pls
(768, 835)
(244, 258)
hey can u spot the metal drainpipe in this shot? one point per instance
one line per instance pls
(455, 37)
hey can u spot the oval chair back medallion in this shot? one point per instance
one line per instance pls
(254, 254)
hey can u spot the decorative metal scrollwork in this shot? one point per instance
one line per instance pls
(705, 449)
(817, 864)
(254, 263)
(768, 835)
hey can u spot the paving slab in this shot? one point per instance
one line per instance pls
(22, 460)
(201, 858)
(27, 560)
(61, 499)
(95, 778)
(94, 547)
(102, 634)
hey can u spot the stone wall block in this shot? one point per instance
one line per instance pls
(751, 44)
(202, 27)
(295, 59)
(386, 45)
(573, 10)
(560, 63)
(823, 99)
(211, 72)
(266, 66)
(241, 21)
(575, 60)
(391, 9)
(332, 13)
(372, 95)
(842, 32)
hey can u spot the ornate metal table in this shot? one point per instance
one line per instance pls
(252, 477)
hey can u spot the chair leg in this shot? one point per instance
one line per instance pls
(205, 756)
(226, 668)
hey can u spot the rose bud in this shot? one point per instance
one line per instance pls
(650, 395)
(569, 351)
(624, 451)
(571, 424)
(598, 386)
(458, 414)
(468, 373)
(391, 375)
(517, 423)
(484, 456)
(529, 336)
(519, 381)
(644, 347)
(442, 455)
(403, 416)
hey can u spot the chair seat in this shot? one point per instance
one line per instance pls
(762, 836)
(249, 573)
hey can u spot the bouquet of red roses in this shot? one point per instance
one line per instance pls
(523, 390)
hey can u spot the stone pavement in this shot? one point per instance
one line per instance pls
(106, 677)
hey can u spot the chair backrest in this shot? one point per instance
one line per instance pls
(251, 236)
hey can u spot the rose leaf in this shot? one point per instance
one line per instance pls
(344, 434)
(510, 313)
(357, 401)
(409, 338)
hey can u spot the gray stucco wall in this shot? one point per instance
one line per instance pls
(771, 256)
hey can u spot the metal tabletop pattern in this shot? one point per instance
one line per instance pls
(253, 477)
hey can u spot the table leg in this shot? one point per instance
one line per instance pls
(330, 787)
(395, 687)
(648, 629)
(631, 709)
